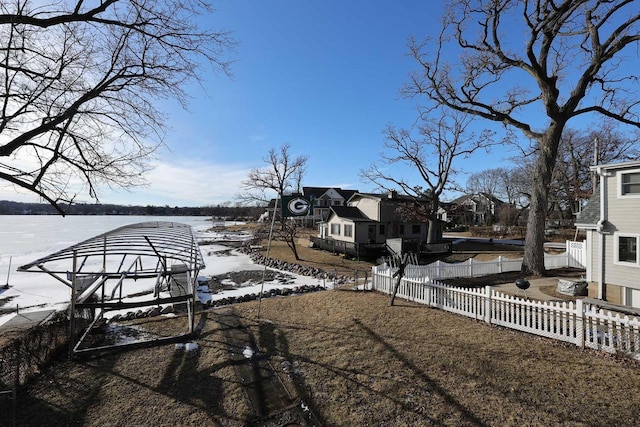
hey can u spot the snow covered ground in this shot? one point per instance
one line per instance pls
(39, 291)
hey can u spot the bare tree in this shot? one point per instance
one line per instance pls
(572, 181)
(486, 181)
(432, 153)
(80, 86)
(517, 61)
(289, 233)
(510, 184)
(282, 175)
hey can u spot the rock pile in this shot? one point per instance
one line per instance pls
(139, 314)
(266, 294)
(303, 270)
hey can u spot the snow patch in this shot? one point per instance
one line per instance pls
(247, 352)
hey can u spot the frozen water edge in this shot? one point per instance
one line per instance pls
(34, 292)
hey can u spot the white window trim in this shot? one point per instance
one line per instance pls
(619, 183)
(616, 245)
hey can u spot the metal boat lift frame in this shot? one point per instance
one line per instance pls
(165, 251)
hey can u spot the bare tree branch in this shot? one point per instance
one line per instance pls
(441, 141)
(568, 63)
(82, 81)
(283, 173)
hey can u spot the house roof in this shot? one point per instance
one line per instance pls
(349, 212)
(620, 165)
(388, 197)
(590, 214)
(318, 192)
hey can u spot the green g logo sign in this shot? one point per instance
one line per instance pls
(298, 206)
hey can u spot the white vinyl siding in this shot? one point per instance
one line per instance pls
(621, 220)
(368, 207)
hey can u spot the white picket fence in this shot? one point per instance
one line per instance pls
(573, 322)
(574, 256)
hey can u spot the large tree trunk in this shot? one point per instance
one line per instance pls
(533, 262)
(432, 231)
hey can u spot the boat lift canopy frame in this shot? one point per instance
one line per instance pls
(165, 251)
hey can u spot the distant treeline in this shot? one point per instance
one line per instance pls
(220, 211)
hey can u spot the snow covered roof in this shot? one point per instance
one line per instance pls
(154, 248)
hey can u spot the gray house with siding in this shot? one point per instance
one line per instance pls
(372, 219)
(612, 222)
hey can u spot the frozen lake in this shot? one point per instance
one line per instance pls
(24, 234)
(26, 238)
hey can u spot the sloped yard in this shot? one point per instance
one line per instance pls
(352, 360)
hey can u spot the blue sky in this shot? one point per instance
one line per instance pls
(322, 76)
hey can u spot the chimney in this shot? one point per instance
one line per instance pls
(392, 194)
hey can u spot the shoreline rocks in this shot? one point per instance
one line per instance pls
(303, 270)
(265, 294)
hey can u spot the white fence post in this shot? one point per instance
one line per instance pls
(488, 292)
(580, 323)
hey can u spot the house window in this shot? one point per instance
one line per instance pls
(627, 250)
(348, 230)
(335, 229)
(382, 233)
(401, 229)
(630, 183)
(415, 229)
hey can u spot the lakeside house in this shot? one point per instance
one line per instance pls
(613, 233)
(478, 209)
(371, 224)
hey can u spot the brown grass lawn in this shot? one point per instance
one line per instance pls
(353, 360)
(316, 258)
(356, 362)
